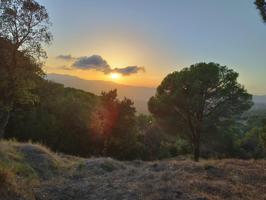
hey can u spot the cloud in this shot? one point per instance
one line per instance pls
(126, 71)
(96, 62)
(64, 67)
(65, 57)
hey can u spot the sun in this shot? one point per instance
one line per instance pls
(115, 75)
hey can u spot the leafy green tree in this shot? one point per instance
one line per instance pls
(26, 24)
(16, 82)
(191, 100)
(114, 121)
(24, 28)
(261, 6)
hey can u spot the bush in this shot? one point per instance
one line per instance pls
(5, 176)
(252, 144)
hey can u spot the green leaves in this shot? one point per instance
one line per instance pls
(197, 97)
(26, 24)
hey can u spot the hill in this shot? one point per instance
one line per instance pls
(140, 95)
(30, 172)
(259, 99)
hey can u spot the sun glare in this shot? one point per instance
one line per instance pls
(115, 75)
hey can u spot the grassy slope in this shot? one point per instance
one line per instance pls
(29, 171)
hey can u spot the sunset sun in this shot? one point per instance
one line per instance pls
(115, 75)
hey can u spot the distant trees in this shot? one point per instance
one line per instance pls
(24, 26)
(191, 100)
(253, 143)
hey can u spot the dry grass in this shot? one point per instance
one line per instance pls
(33, 172)
(19, 171)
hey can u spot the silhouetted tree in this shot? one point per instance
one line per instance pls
(261, 6)
(191, 100)
(26, 24)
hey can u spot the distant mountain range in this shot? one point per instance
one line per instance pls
(259, 99)
(140, 95)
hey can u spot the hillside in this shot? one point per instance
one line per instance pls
(259, 99)
(29, 172)
(140, 95)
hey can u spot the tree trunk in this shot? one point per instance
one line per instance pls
(4, 118)
(195, 129)
(196, 149)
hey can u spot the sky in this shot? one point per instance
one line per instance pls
(139, 42)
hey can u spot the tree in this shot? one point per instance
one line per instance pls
(60, 119)
(114, 121)
(16, 82)
(24, 28)
(261, 6)
(26, 24)
(254, 143)
(191, 100)
(144, 122)
(263, 134)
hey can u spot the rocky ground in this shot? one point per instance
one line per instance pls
(31, 172)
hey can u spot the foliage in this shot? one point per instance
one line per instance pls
(152, 140)
(261, 6)
(115, 121)
(25, 74)
(190, 101)
(78, 123)
(24, 28)
(222, 141)
(253, 144)
(26, 24)
(263, 135)
(17, 82)
(144, 122)
(60, 120)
